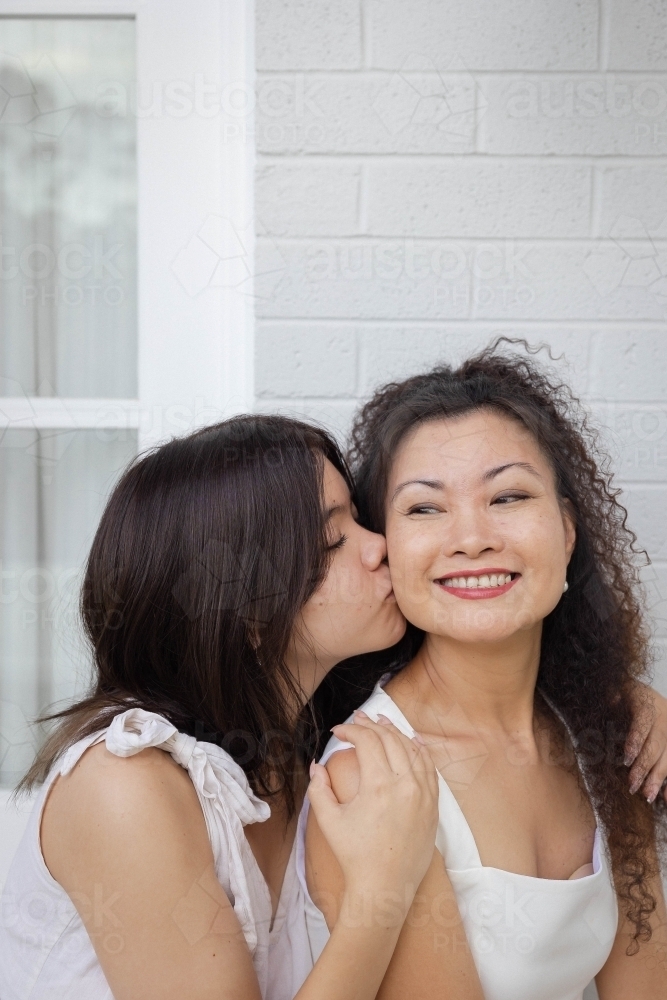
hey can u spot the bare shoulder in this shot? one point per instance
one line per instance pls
(114, 804)
(115, 784)
(343, 769)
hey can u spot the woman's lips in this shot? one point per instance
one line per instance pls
(478, 593)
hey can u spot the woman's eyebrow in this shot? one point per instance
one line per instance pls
(336, 509)
(492, 473)
(437, 484)
(433, 484)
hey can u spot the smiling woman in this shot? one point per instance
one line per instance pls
(511, 559)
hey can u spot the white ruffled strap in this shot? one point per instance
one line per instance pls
(208, 765)
(220, 783)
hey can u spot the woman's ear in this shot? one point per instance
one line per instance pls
(252, 631)
(570, 526)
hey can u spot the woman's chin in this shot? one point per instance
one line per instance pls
(475, 622)
(473, 633)
(387, 634)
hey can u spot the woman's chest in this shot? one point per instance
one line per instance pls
(536, 939)
(271, 843)
(529, 818)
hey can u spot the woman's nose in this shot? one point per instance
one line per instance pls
(471, 535)
(373, 549)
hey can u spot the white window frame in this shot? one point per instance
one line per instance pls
(195, 176)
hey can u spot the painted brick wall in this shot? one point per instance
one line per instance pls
(435, 172)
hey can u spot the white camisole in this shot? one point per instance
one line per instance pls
(45, 951)
(531, 938)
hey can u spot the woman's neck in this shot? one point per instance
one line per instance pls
(493, 684)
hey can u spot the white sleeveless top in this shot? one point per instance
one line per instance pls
(45, 951)
(531, 938)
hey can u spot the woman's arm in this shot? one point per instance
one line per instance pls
(382, 831)
(432, 960)
(126, 839)
(642, 976)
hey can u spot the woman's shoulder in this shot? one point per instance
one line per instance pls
(379, 702)
(129, 758)
(102, 774)
(343, 770)
(108, 799)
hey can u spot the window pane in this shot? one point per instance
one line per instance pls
(53, 485)
(67, 207)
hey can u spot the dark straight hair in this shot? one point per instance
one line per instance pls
(207, 550)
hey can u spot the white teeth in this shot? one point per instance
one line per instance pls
(472, 582)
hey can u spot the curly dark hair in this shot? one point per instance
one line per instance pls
(595, 642)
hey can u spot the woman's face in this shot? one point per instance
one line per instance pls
(354, 610)
(478, 542)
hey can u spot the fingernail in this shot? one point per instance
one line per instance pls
(384, 720)
(362, 714)
(630, 757)
(652, 796)
(634, 787)
(312, 768)
(419, 739)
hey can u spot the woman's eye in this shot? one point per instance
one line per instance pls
(337, 545)
(510, 498)
(423, 508)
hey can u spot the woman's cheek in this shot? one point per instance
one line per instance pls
(409, 575)
(349, 583)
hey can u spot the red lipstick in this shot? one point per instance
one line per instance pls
(478, 593)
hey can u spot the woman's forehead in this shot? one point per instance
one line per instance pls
(335, 488)
(472, 438)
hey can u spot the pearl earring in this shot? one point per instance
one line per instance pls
(565, 586)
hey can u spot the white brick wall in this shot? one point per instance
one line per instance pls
(433, 173)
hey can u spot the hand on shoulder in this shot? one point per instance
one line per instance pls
(375, 814)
